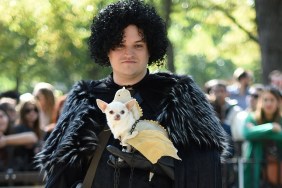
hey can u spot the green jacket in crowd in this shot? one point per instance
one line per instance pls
(254, 153)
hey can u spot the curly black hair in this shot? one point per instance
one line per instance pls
(107, 30)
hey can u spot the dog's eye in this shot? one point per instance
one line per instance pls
(111, 112)
(122, 112)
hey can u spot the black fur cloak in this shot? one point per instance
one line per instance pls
(175, 101)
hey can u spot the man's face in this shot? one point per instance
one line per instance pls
(130, 58)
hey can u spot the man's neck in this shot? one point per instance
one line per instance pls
(128, 80)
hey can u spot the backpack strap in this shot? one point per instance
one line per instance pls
(90, 174)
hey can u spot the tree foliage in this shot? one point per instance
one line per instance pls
(46, 40)
(212, 32)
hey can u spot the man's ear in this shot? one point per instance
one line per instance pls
(102, 105)
(129, 105)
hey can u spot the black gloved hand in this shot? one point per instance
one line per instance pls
(135, 160)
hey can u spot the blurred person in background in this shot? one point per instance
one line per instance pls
(226, 110)
(275, 79)
(58, 108)
(252, 99)
(56, 114)
(4, 121)
(4, 131)
(9, 100)
(24, 137)
(240, 90)
(10, 107)
(12, 95)
(262, 130)
(239, 121)
(44, 93)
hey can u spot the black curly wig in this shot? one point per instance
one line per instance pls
(107, 30)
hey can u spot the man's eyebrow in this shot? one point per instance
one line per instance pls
(142, 40)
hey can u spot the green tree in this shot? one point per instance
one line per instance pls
(47, 40)
(213, 30)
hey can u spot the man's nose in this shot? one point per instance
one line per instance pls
(128, 52)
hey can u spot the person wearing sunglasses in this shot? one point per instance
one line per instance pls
(45, 97)
(24, 137)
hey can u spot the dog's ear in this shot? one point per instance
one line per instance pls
(102, 105)
(129, 105)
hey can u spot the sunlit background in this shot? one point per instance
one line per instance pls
(46, 40)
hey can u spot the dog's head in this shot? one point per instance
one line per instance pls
(115, 111)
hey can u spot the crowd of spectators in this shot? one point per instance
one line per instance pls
(26, 120)
(249, 112)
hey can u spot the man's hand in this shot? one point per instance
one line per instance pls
(165, 166)
(131, 159)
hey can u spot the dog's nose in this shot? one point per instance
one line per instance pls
(117, 117)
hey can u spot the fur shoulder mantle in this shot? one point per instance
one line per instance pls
(190, 118)
(186, 112)
(75, 135)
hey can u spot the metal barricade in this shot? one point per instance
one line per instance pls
(233, 173)
(12, 178)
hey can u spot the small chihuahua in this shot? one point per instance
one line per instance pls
(120, 119)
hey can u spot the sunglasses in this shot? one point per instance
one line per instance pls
(255, 96)
(28, 110)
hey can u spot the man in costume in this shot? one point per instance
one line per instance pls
(129, 36)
